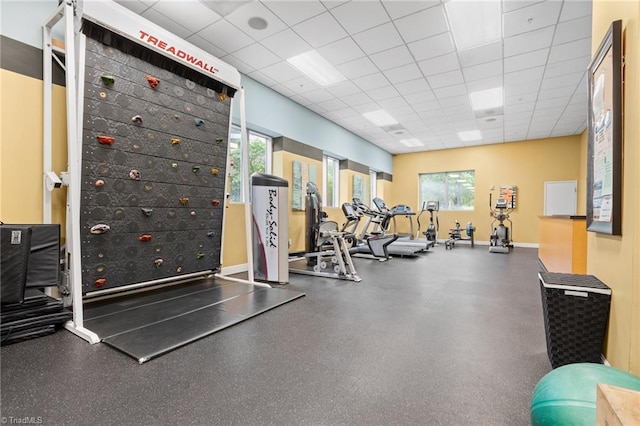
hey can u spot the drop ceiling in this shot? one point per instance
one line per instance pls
(401, 57)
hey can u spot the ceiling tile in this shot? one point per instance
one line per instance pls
(400, 111)
(166, 23)
(423, 24)
(398, 101)
(356, 99)
(293, 12)
(567, 67)
(573, 30)
(455, 101)
(366, 108)
(575, 9)
(562, 80)
(449, 91)
(556, 92)
(481, 54)
(414, 86)
(446, 79)
(224, 35)
(240, 65)
(301, 100)
(431, 47)
(383, 92)
(333, 104)
(193, 15)
(319, 95)
(551, 103)
(357, 16)
(320, 30)
(262, 78)
(280, 72)
(134, 5)
(300, 85)
(524, 76)
(358, 68)
(399, 8)
(206, 45)
(330, 4)
(415, 99)
(526, 60)
(286, 44)
(531, 18)
(478, 72)
(510, 5)
(345, 113)
(404, 73)
(378, 38)
(284, 90)
(256, 55)
(240, 18)
(224, 8)
(392, 58)
(526, 42)
(372, 81)
(485, 83)
(440, 64)
(341, 51)
(571, 50)
(344, 88)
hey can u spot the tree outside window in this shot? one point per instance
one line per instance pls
(453, 190)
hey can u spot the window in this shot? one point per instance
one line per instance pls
(330, 182)
(373, 183)
(259, 160)
(454, 190)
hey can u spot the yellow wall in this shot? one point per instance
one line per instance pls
(616, 259)
(282, 166)
(21, 124)
(235, 243)
(582, 180)
(525, 164)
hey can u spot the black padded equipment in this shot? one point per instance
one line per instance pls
(15, 244)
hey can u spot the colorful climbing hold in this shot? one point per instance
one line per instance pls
(146, 211)
(99, 183)
(136, 119)
(153, 81)
(195, 169)
(100, 282)
(145, 237)
(158, 262)
(134, 174)
(108, 80)
(179, 269)
(214, 171)
(106, 140)
(193, 213)
(211, 234)
(174, 165)
(175, 141)
(100, 228)
(103, 95)
(184, 201)
(199, 255)
(215, 202)
(176, 116)
(199, 122)
(219, 140)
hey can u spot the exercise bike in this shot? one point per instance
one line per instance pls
(500, 241)
(431, 233)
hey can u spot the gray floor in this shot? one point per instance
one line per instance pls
(449, 338)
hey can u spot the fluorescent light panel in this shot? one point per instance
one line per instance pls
(486, 99)
(380, 118)
(316, 68)
(412, 142)
(471, 135)
(474, 23)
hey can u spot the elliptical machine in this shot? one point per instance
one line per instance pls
(500, 241)
(431, 233)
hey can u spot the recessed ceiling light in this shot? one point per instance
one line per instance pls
(412, 142)
(258, 23)
(474, 23)
(380, 118)
(471, 135)
(485, 99)
(316, 68)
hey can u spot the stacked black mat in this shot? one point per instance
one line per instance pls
(29, 261)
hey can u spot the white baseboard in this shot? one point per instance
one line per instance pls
(235, 269)
(526, 245)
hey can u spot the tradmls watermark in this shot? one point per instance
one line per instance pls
(26, 420)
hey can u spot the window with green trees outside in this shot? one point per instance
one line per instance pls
(454, 190)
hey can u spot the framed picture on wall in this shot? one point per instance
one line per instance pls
(604, 155)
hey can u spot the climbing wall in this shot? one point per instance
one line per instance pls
(154, 153)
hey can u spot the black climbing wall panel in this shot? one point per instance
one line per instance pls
(159, 182)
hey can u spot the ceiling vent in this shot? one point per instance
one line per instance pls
(491, 112)
(394, 128)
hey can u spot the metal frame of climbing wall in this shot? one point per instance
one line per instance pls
(85, 181)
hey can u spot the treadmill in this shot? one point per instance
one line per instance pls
(378, 234)
(390, 214)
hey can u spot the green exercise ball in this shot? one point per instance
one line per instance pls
(567, 395)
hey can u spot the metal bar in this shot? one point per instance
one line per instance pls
(47, 96)
(135, 286)
(248, 216)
